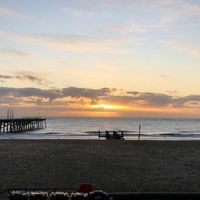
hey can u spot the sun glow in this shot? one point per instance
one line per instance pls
(108, 106)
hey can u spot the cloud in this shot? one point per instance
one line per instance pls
(5, 77)
(22, 77)
(191, 99)
(79, 11)
(87, 96)
(85, 92)
(9, 100)
(193, 8)
(127, 28)
(12, 52)
(155, 99)
(171, 6)
(29, 92)
(185, 6)
(142, 99)
(32, 78)
(12, 12)
(190, 49)
(172, 11)
(68, 42)
(172, 92)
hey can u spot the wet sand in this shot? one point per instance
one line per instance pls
(126, 166)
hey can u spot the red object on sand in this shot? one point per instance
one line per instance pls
(86, 188)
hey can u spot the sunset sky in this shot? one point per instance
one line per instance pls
(106, 58)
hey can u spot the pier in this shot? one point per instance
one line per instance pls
(21, 124)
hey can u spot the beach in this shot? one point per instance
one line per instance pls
(113, 166)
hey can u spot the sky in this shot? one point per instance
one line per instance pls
(103, 58)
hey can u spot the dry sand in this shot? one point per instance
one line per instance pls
(110, 165)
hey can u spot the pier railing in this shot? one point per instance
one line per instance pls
(21, 124)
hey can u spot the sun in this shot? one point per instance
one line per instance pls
(108, 106)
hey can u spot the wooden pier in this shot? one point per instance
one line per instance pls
(21, 124)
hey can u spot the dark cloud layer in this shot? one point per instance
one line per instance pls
(22, 77)
(10, 94)
(150, 98)
(85, 92)
(5, 77)
(29, 92)
(181, 101)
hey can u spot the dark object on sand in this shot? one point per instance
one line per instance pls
(139, 132)
(88, 192)
(82, 192)
(115, 135)
(85, 188)
(59, 196)
(107, 135)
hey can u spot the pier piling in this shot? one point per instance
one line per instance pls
(20, 125)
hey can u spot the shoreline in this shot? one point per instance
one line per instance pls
(94, 138)
(103, 140)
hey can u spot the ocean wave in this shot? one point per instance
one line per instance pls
(64, 134)
(131, 134)
(128, 134)
(182, 134)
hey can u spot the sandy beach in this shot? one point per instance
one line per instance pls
(110, 165)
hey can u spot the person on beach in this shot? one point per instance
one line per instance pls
(107, 135)
(122, 135)
(116, 135)
(139, 133)
(99, 134)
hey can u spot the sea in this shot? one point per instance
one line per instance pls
(88, 127)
